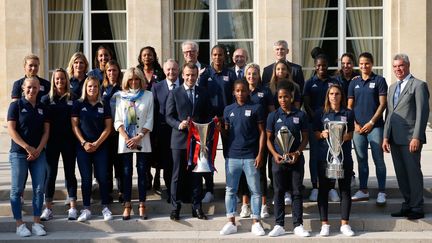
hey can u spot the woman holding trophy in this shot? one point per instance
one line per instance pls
(287, 136)
(334, 126)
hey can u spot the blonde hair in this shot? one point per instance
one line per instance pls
(130, 72)
(257, 67)
(29, 79)
(75, 56)
(84, 89)
(53, 89)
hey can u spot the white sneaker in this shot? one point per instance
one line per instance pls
(346, 230)
(38, 229)
(264, 211)
(257, 229)
(47, 214)
(287, 199)
(300, 231)
(333, 195)
(325, 230)
(245, 211)
(208, 197)
(107, 214)
(95, 184)
(313, 197)
(229, 228)
(381, 199)
(23, 231)
(360, 196)
(72, 214)
(85, 215)
(277, 231)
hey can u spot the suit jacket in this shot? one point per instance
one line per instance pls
(179, 108)
(409, 118)
(297, 74)
(160, 93)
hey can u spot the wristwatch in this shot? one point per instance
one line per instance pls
(83, 143)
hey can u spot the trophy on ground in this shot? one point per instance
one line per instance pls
(335, 156)
(284, 139)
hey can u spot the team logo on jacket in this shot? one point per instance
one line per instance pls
(296, 120)
(232, 114)
(372, 85)
(40, 111)
(248, 112)
(279, 120)
(100, 110)
(84, 109)
(343, 118)
(24, 110)
(314, 86)
(357, 87)
(260, 94)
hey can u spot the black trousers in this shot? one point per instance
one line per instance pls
(288, 176)
(114, 160)
(184, 182)
(344, 190)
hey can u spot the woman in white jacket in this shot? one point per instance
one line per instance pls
(134, 121)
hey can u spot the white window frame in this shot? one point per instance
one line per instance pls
(342, 38)
(213, 25)
(87, 40)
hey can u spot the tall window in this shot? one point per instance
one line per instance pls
(339, 26)
(83, 25)
(211, 22)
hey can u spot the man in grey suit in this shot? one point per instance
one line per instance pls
(404, 134)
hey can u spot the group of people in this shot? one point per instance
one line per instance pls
(108, 116)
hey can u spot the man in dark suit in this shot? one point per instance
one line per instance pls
(161, 142)
(190, 51)
(240, 58)
(185, 103)
(281, 50)
(404, 134)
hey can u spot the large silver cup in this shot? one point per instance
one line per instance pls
(284, 139)
(203, 164)
(335, 157)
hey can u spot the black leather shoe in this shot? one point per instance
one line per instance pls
(175, 215)
(401, 213)
(198, 213)
(415, 215)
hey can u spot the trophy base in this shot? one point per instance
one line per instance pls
(335, 171)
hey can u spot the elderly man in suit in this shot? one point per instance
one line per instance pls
(161, 141)
(185, 103)
(281, 50)
(404, 134)
(240, 58)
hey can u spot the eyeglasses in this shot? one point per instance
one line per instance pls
(190, 52)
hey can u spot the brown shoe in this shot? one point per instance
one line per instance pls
(127, 211)
(142, 211)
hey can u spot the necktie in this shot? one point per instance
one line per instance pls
(190, 95)
(173, 85)
(239, 74)
(397, 93)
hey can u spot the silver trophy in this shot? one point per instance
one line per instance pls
(203, 164)
(284, 139)
(335, 156)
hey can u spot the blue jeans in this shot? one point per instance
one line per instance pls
(361, 141)
(233, 171)
(86, 162)
(19, 168)
(141, 165)
(313, 155)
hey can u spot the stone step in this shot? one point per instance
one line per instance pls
(219, 192)
(162, 224)
(218, 207)
(213, 236)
